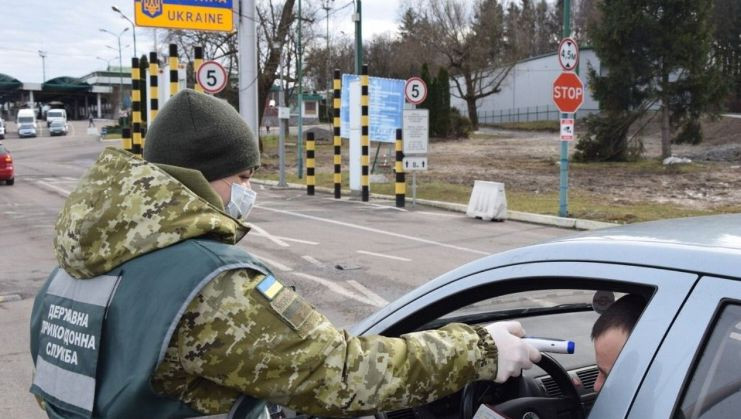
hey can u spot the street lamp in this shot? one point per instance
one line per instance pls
(42, 54)
(133, 26)
(120, 64)
(107, 62)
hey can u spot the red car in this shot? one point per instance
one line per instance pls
(6, 166)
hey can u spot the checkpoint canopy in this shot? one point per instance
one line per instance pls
(385, 107)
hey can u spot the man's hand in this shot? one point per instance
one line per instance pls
(514, 354)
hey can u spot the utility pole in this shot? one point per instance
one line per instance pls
(300, 139)
(248, 77)
(563, 191)
(327, 7)
(120, 65)
(358, 18)
(42, 54)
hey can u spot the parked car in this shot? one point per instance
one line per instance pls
(2, 129)
(58, 127)
(7, 173)
(682, 360)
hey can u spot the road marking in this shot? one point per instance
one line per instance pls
(370, 294)
(262, 233)
(288, 239)
(313, 261)
(337, 289)
(381, 255)
(377, 206)
(437, 214)
(56, 188)
(375, 230)
(277, 265)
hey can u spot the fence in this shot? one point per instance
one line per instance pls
(527, 114)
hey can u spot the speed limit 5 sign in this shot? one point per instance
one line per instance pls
(212, 77)
(415, 90)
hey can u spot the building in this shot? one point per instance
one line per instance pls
(526, 92)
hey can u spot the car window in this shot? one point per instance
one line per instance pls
(714, 390)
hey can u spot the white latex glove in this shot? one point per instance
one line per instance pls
(514, 354)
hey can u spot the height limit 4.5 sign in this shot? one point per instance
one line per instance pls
(568, 54)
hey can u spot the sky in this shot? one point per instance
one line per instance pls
(69, 33)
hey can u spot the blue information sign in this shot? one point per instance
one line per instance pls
(386, 104)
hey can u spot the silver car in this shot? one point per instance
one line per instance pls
(58, 128)
(682, 360)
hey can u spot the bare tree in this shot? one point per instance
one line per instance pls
(469, 37)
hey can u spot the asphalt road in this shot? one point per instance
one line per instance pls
(346, 257)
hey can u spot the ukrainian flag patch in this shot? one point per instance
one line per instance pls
(269, 287)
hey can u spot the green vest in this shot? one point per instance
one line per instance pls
(97, 342)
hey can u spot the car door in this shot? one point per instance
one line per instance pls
(697, 370)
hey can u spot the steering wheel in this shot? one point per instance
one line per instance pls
(569, 405)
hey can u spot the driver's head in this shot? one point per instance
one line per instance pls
(611, 331)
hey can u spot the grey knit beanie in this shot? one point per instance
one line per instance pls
(198, 131)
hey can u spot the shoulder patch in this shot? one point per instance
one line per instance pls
(269, 287)
(292, 308)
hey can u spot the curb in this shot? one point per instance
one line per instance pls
(526, 217)
(9, 297)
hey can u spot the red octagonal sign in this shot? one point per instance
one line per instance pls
(568, 92)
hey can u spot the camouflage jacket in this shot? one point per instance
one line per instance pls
(232, 340)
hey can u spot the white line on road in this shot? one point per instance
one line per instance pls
(288, 239)
(437, 214)
(339, 289)
(375, 230)
(313, 261)
(381, 255)
(379, 206)
(260, 232)
(56, 188)
(277, 265)
(370, 294)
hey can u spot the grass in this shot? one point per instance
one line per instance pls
(582, 204)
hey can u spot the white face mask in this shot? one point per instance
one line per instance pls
(241, 201)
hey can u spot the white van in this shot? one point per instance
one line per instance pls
(55, 115)
(26, 123)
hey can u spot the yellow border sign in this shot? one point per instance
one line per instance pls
(199, 15)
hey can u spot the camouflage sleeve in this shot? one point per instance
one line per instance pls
(280, 349)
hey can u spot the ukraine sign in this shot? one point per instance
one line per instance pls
(200, 15)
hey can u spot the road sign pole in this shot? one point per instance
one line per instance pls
(563, 190)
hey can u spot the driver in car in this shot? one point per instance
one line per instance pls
(611, 331)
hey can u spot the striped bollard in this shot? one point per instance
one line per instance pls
(400, 187)
(126, 138)
(364, 143)
(136, 109)
(310, 180)
(337, 86)
(197, 65)
(173, 62)
(154, 94)
(143, 66)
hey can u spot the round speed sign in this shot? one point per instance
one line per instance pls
(568, 54)
(415, 90)
(212, 77)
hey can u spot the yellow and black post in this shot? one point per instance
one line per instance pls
(400, 187)
(173, 62)
(154, 94)
(310, 179)
(143, 66)
(364, 143)
(196, 65)
(126, 138)
(337, 85)
(136, 108)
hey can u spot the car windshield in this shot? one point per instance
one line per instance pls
(27, 126)
(54, 114)
(57, 124)
(25, 119)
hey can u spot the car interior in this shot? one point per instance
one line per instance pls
(561, 385)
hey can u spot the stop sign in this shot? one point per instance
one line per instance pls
(568, 92)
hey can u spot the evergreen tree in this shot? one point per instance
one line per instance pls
(656, 53)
